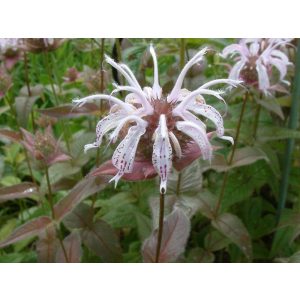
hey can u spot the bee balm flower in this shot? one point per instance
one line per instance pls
(157, 127)
(255, 59)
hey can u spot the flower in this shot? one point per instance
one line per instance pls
(10, 51)
(255, 59)
(5, 82)
(155, 127)
(35, 45)
(43, 147)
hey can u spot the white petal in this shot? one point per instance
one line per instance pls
(187, 116)
(125, 71)
(103, 126)
(132, 118)
(139, 93)
(232, 49)
(280, 66)
(198, 135)
(196, 59)
(227, 138)
(280, 55)
(191, 97)
(123, 105)
(211, 113)
(156, 87)
(236, 70)
(123, 157)
(263, 78)
(254, 47)
(176, 144)
(162, 153)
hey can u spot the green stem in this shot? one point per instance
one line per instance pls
(256, 119)
(293, 123)
(51, 203)
(101, 90)
(182, 53)
(50, 197)
(225, 178)
(160, 225)
(27, 81)
(50, 74)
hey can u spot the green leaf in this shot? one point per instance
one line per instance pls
(200, 255)
(273, 133)
(242, 157)
(272, 105)
(215, 241)
(233, 228)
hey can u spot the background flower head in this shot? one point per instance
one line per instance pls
(255, 60)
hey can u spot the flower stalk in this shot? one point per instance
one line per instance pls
(160, 225)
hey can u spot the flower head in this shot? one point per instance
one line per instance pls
(156, 127)
(256, 59)
(10, 51)
(43, 146)
(35, 45)
(5, 81)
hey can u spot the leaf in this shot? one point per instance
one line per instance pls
(82, 190)
(176, 229)
(47, 245)
(272, 105)
(80, 217)
(143, 225)
(188, 181)
(100, 238)
(207, 204)
(200, 255)
(72, 245)
(295, 258)
(58, 172)
(233, 228)
(27, 230)
(24, 103)
(215, 241)
(272, 133)
(10, 135)
(70, 111)
(242, 157)
(18, 191)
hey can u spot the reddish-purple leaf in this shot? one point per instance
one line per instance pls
(82, 190)
(18, 191)
(11, 135)
(27, 230)
(47, 245)
(100, 238)
(176, 231)
(72, 247)
(80, 217)
(141, 170)
(70, 111)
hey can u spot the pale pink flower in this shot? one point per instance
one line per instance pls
(255, 60)
(159, 128)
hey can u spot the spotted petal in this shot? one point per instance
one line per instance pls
(124, 154)
(162, 153)
(198, 135)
